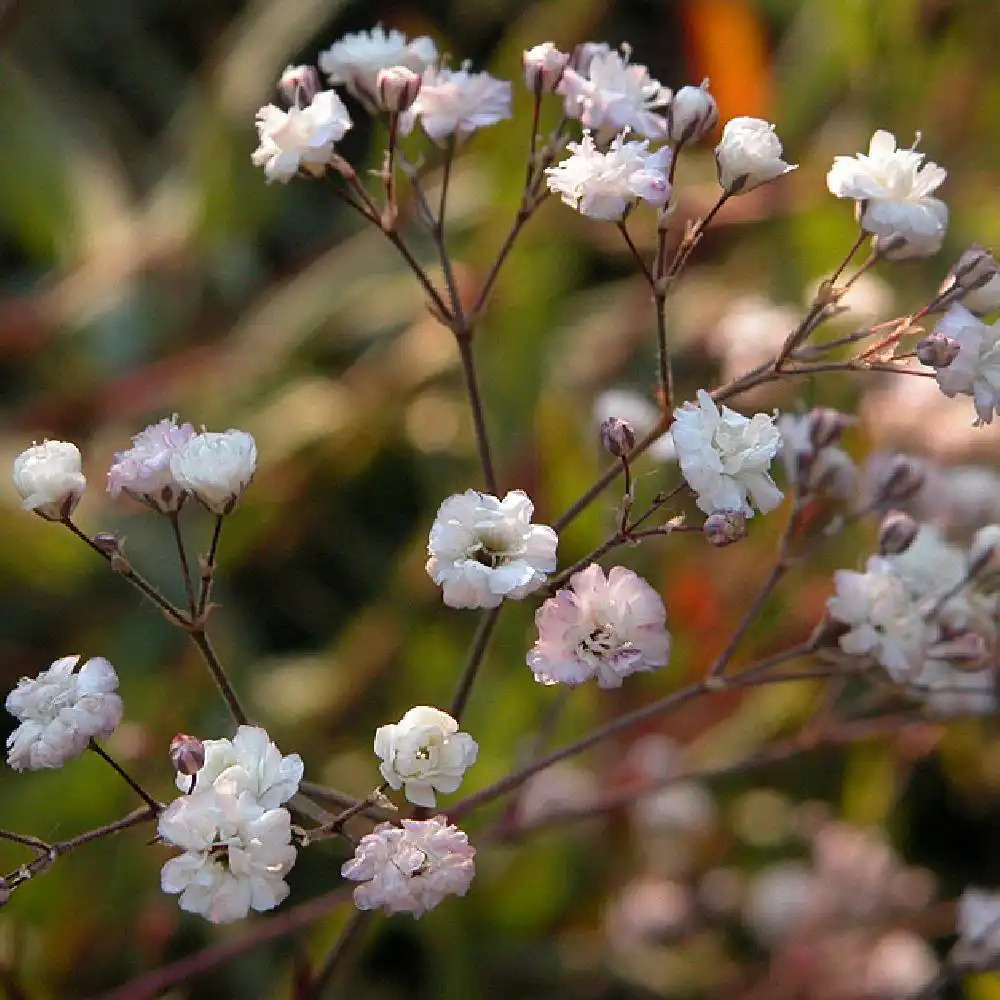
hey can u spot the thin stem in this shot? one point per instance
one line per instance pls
(536, 111)
(349, 937)
(478, 416)
(457, 312)
(200, 638)
(862, 236)
(692, 239)
(208, 569)
(627, 498)
(124, 775)
(623, 229)
(484, 632)
(175, 527)
(124, 568)
(335, 827)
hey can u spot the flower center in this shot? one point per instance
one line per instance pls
(601, 643)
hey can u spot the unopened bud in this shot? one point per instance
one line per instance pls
(543, 67)
(187, 754)
(974, 268)
(831, 473)
(397, 88)
(691, 114)
(108, 543)
(826, 426)
(617, 436)
(965, 651)
(903, 478)
(937, 350)
(725, 527)
(299, 85)
(896, 533)
(985, 298)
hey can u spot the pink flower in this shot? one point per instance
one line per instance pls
(603, 627)
(143, 471)
(457, 102)
(410, 869)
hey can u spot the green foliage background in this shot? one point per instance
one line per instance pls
(147, 270)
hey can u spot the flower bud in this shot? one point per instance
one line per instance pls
(397, 88)
(974, 268)
(896, 533)
(826, 426)
(830, 473)
(691, 114)
(299, 85)
(108, 543)
(617, 436)
(187, 754)
(984, 298)
(903, 478)
(50, 479)
(725, 527)
(937, 350)
(543, 67)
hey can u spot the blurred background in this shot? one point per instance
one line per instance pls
(147, 270)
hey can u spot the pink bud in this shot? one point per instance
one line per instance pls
(397, 88)
(937, 350)
(725, 527)
(543, 67)
(617, 436)
(299, 85)
(896, 533)
(902, 479)
(187, 754)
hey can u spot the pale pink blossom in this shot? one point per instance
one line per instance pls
(975, 371)
(603, 627)
(143, 471)
(457, 102)
(412, 867)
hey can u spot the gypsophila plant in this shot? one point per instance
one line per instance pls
(911, 633)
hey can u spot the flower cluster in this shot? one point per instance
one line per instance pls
(232, 829)
(483, 549)
(61, 711)
(725, 457)
(892, 188)
(920, 616)
(410, 868)
(424, 753)
(603, 627)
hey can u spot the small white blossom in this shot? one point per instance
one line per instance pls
(143, 471)
(236, 853)
(748, 155)
(300, 138)
(892, 188)
(60, 711)
(216, 467)
(50, 479)
(978, 919)
(483, 549)
(250, 762)
(725, 457)
(692, 114)
(612, 94)
(356, 59)
(423, 753)
(600, 626)
(411, 868)
(975, 371)
(605, 185)
(544, 65)
(457, 102)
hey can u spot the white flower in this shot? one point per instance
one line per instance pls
(236, 853)
(612, 94)
(692, 113)
(457, 102)
(60, 711)
(216, 467)
(725, 457)
(885, 622)
(985, 298)
(300, 138)
(424, 752)
(978, 918)
(893, 190)
(543, 67)
(49, 478)
(975, 371)
(748, 155)
(143, 471)
(606, 185)
(357, 58)
(410, 869)
(250, 762)
(600, 626)
(483, 549)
